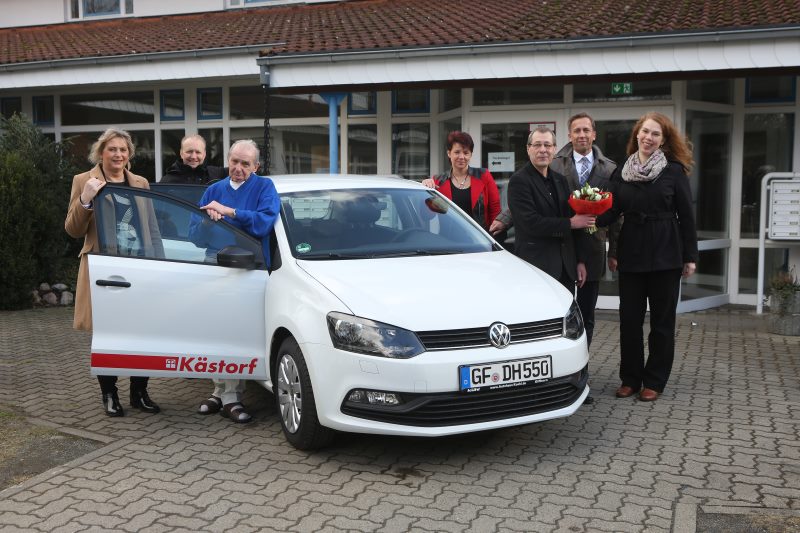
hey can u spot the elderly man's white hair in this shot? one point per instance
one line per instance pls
(250, 144)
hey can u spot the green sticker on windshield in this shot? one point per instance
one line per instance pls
(303, 248)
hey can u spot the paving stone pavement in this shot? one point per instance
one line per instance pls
(724, 438)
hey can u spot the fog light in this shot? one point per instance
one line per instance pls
(374, 397)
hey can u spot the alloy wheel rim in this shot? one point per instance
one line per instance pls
(290, 399)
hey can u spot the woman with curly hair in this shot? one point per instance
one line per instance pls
(657, 245)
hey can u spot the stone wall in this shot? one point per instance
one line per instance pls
(47, 295)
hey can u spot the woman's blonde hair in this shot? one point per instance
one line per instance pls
(676, 146)
(96, 153)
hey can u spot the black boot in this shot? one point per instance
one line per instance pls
(140, 400)
(111, 404)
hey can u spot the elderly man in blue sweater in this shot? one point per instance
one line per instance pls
(249, 202)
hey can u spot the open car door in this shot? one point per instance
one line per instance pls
(173, 293)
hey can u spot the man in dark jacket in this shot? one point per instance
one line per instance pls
(191, 167)
(580, 161)
(546, 228)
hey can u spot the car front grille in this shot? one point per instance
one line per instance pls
(457, 408)
(479, 337)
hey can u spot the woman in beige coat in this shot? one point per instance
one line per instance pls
(111, 155)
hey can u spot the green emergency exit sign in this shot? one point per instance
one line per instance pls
(621, 88)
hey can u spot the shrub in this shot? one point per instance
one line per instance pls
(35, 181)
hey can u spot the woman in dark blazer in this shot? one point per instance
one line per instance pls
(657, 245)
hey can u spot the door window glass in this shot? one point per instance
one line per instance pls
(711, 277)
(710, 134)
(140, 223)
(768, 142)
(775, 260)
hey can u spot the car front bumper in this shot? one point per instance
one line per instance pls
(432, 404)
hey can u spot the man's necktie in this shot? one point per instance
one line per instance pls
(584, 170)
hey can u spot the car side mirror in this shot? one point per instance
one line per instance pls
(235, 257)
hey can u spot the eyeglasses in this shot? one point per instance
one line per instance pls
(546, 146)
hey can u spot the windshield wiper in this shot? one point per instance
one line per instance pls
(412, 253)
(334, 255)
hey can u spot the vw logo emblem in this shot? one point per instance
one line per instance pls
(499, 335)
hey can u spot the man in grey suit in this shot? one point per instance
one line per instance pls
(580, 161)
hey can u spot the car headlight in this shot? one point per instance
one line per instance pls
(361, 335)
(573, 322)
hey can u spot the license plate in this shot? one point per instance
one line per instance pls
(506, 374)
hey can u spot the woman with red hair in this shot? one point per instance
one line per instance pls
(656, 246)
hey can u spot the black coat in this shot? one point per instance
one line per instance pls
(543, 235)
(659, 230)
(202, 174)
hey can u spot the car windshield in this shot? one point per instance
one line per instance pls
(371, 223)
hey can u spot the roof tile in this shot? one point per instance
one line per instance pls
(371, 24)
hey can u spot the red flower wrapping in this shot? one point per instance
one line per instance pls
(588, 207)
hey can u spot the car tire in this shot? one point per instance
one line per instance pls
(294, 397)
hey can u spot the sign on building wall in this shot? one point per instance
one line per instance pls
(501, 161)
(621, 88)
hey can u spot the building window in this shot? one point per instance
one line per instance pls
(298, 149)
(363, 103)
(172, 105)
(770, 89)
(209, 104)
(143, 162)
(717, 91)
(215, 151)
(247, 103)
(43, 110)
(170, 148)
(107, 108)
(362, 149)
(540, 93)
(11, 105)
(99, 8)
(411, 101)
(411, 156)
(449, 99)
(298, 106)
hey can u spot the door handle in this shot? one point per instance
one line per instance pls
(112, 283)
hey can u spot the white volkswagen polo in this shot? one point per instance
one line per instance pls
(386, 310)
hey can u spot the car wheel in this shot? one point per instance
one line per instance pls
(295, 398)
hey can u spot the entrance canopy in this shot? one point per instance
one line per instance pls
(683, 55)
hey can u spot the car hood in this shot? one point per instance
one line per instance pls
(443, 292)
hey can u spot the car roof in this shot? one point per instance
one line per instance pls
(315, 182)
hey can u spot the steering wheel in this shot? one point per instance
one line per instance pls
(403, 236)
